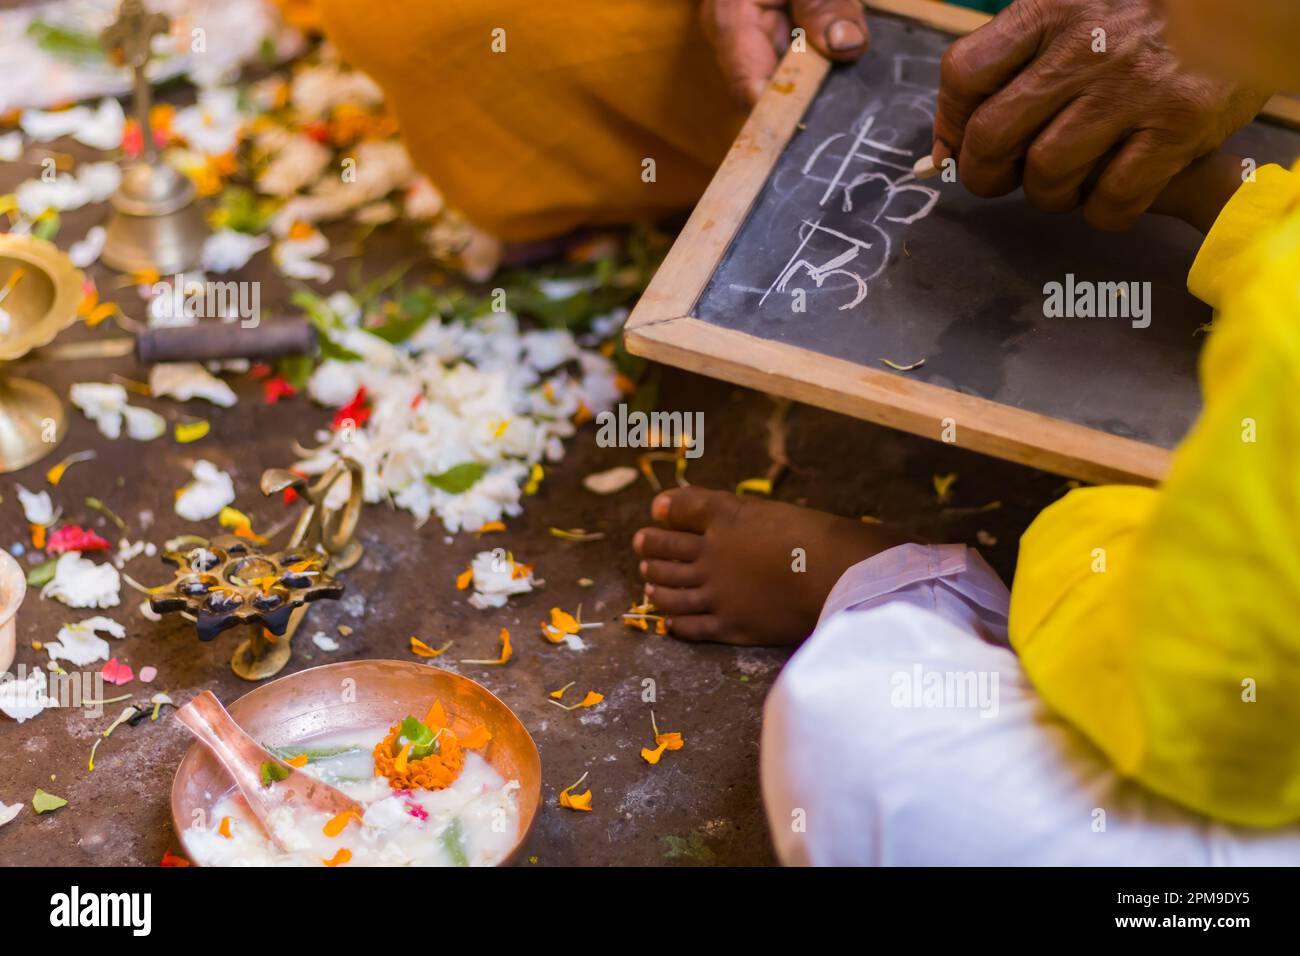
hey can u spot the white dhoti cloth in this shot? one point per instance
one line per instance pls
(904, 732)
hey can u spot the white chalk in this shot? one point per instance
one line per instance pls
(925, 168)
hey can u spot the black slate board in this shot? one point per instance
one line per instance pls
(961, 287)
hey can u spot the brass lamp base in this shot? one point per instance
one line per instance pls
(155, 223)
(32, 422)
(264, 655)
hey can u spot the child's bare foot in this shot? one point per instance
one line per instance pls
(725, 568)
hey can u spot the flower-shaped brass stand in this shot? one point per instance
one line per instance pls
(40, 289)
(230, 581)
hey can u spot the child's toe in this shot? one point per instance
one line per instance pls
(664, 545)
(678, 601)
(673, 574)
(698, 627)
(689, 509)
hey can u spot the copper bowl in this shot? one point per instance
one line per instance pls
(360, 695)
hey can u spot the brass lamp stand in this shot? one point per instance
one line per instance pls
(40, 290)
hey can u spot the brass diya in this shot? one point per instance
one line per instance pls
(360, 695)
(230, 581)
(40, 290)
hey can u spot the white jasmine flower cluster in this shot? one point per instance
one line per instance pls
(459, 414)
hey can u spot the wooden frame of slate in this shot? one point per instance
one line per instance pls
(667, 326)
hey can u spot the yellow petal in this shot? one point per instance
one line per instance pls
(757, 486)
(943, 485)
(652, 756)
(464, 578)
(592, 699)
(233, 518)
(535, 476)
(224, 829)
(187, 432)
(298, 761)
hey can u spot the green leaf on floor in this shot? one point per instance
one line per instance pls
(43, 802)
(458, 480)
(42, 574)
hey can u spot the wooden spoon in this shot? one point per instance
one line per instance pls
(243, 757)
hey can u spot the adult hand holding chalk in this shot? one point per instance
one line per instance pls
(751, 35)
(1079, 101)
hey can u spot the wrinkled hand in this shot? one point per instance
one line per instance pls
(1029, 100)
(751, 35)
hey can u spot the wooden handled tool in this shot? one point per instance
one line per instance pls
(196, 343)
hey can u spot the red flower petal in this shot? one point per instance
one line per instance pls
(70, 537)
(355, 411)
(115, 672)
(277, 388)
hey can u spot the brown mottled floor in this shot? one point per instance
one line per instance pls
(699, 805)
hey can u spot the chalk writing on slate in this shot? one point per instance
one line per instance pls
(846, 253)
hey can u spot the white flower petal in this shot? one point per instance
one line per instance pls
(80, 582)
(186, 380)
(210, 490)
(24, 699)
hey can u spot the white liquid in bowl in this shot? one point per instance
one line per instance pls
(473, 822)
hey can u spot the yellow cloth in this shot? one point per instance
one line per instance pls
(554, 132)
(1149, 617)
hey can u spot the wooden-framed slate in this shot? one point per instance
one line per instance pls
(815, 259)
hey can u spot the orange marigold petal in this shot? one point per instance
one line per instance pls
(576, 801)
(436, 718)
(421, 649)
(400, 763)
(339, 858)
(224, 829)
(298, 761)
(652, 756)
(478, 737)
(338, 823)
(464, 578)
